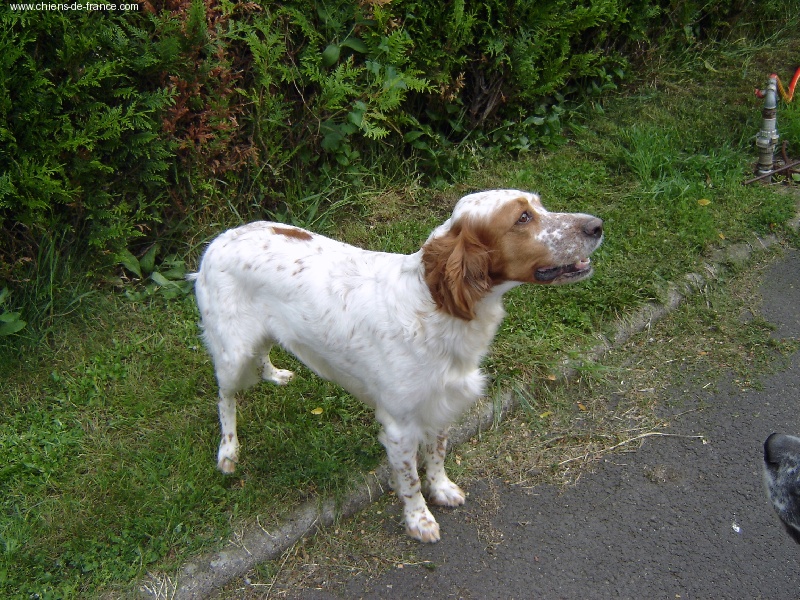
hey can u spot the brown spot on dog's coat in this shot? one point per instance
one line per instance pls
(293, 233)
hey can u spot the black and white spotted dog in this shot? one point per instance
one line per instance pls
(782, 479)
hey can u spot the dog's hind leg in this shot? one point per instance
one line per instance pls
(439, 489)
(228, 454)
(271, 373)
(236, 370)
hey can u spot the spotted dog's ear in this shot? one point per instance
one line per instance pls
(457, 270)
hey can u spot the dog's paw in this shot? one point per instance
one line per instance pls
(421, 526)
(277, 376)
(226, 465)
(228, 457)
(446, 494)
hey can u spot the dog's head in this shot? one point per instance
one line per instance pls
(503, 236)
(782, 479)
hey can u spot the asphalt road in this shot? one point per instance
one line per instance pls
(680, 518)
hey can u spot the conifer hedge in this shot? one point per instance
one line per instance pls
(115, 124)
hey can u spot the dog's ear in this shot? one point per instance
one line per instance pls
(457, 270)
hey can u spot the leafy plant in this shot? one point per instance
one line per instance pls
(10, 322)
(168, 279)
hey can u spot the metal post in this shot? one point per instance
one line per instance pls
(767, 138)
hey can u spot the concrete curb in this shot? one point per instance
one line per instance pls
(204, 575)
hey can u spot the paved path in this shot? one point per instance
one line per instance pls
(677, 519)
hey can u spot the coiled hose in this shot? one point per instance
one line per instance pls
(786, 95)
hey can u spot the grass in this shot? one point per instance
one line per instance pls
(110, 427)
(108, 449)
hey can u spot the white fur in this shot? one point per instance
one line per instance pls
(366, 320)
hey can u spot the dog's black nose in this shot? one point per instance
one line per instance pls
(593, 227)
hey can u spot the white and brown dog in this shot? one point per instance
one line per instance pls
(403, 333)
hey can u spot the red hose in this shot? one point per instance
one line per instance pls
(787, 96)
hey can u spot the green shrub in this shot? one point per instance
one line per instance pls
(81, 145)
(118, 125)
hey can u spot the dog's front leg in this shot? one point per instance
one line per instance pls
(439, 489)
(401, 448)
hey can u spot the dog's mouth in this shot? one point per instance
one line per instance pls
(565, 273)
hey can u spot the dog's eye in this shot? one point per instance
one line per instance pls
(526, 217)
